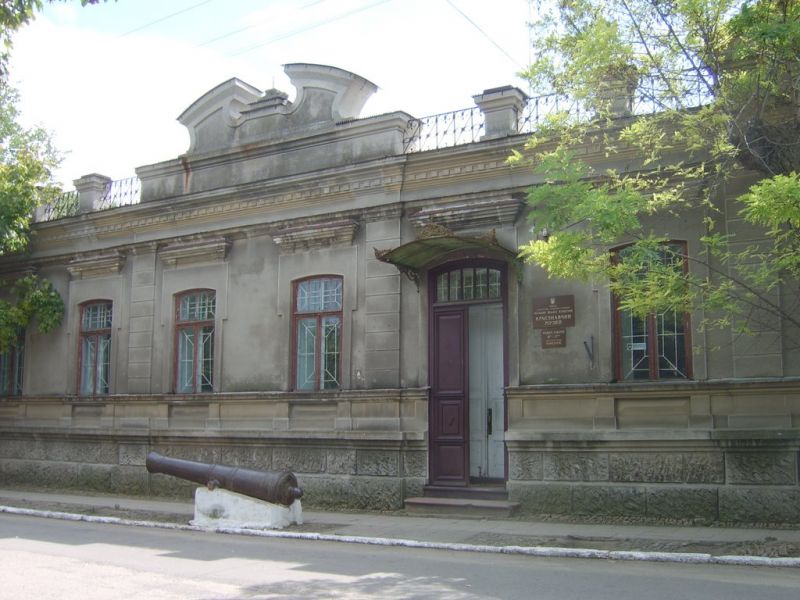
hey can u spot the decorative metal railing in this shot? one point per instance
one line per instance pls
(688, 89)
(66, 205)
(120, 192)
(443, 130)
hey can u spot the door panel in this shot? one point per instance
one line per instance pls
(448, 418)
(450, 352)
(486, 381)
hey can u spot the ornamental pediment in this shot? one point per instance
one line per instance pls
(96, 265)
(469, 213)
(194, 251)
(313, 236)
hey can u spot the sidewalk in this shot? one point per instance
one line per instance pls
(607, 541)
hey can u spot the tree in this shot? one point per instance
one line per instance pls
(26, 162)
(27, 158)
(718, 87)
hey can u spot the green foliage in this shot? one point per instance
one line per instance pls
(27, 158)
(741, 63)
(33, 299)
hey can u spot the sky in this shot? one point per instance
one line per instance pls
(110, 80)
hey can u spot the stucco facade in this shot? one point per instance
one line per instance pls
(272, 194)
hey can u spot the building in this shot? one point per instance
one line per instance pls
(309, 289)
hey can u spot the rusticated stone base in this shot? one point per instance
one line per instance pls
(731, 480)
(683, 503)
(372, 493)
(760, 504)
(355, 474)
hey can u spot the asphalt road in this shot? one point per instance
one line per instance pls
(48, 558)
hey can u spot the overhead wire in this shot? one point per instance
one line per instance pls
(484, 34)
(164, 18)
(252, 26)
(308, 28)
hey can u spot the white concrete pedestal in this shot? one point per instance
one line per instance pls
(221, 508)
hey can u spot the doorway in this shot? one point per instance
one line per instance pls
(467, 373)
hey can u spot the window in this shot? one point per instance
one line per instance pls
(194, 341)
(468, 284)
(317, 322)
(11, 367)
(656, 346)
(95, 347)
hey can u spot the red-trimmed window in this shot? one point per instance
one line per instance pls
(317, 325)
(95, 347)
(194, 341)
(12, 362)
(657, 346)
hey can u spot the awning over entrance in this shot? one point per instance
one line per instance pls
(414, 256)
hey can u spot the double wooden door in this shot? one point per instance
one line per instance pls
(467, 419)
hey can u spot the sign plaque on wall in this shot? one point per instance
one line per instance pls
(554, 338)
(553, 312)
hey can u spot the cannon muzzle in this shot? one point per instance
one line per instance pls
(277, 487)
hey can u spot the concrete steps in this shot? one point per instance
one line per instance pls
(460, 507)
(486, 501)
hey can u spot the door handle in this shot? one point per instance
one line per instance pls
(488, 421)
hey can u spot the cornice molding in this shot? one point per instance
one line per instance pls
(296, 192)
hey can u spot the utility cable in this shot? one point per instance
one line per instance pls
(484, 34)
(164, 18)
(241, 29)
(289, 34)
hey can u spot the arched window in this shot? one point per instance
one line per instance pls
(95, 347)
(317, 324)
(194, 341)
(657, 346)
(11, 367)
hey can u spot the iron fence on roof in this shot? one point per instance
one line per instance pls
(654, 93)
(65, 205)
(444, 130)
(120, 192)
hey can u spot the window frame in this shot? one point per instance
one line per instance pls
(14, 367)
(97, 335)
(197, 326)
(472, 265)
(651, 330)
(319, 315)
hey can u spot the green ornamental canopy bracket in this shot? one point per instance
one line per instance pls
(413, 257)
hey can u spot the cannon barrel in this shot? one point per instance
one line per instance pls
(277, 487)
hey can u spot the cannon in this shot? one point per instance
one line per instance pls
(276, 487)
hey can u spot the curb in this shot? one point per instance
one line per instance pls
(537, 551)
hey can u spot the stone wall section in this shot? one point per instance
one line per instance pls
(353, 473)
(141, 324)
(382, 290)
(715, 481)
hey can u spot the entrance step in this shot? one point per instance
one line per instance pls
(474, 492)
(461, 507)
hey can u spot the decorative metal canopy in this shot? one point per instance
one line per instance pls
(435, 242)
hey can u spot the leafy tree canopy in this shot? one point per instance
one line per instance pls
(717, 88)
(27, 159)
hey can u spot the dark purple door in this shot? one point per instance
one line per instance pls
(449, 389)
